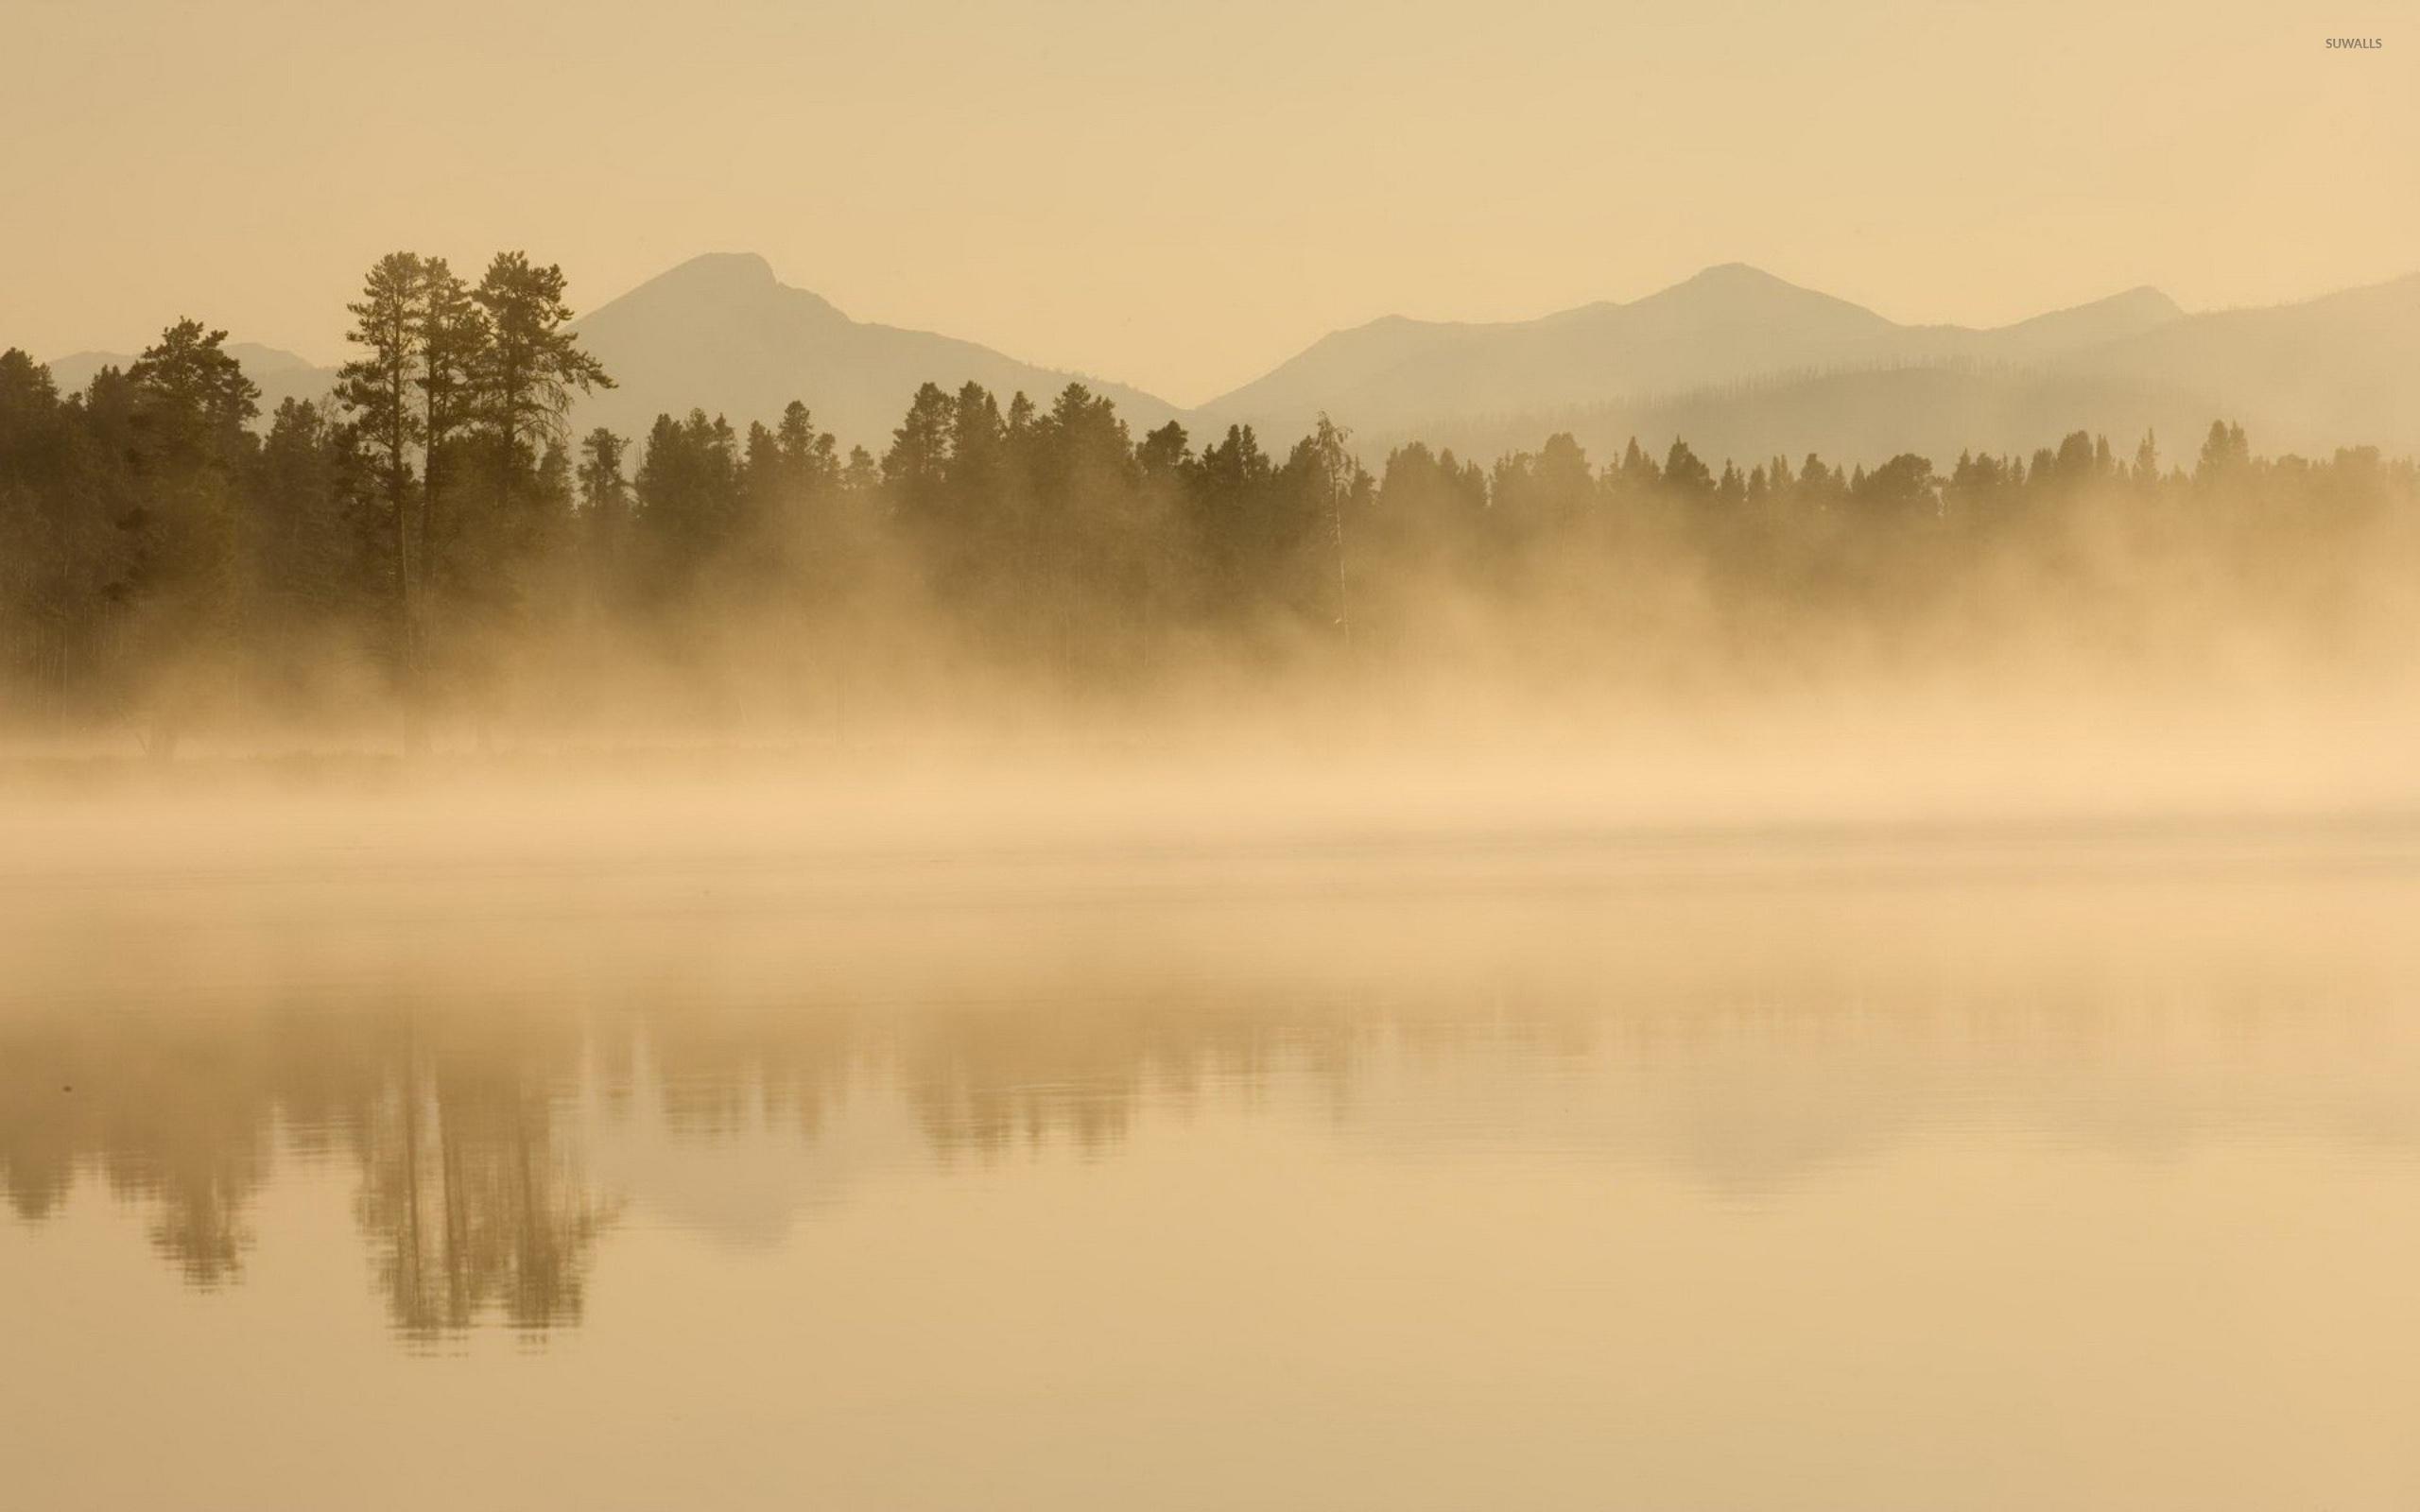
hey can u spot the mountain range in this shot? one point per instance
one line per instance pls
(1739, 362)
(280, 374)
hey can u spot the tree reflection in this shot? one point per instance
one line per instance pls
(173, 1122)
(981, 1080)
(474, 1128)
(470, 1203)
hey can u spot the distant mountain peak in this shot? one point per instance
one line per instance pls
(722, 333)
(2112, 318)
(745, 269)
(2141, 300)
(1734, 280)
(1735, 274)
(726, 278)
(1739, 289)
(734, 285)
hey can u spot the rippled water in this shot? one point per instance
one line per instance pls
(1827, 1168)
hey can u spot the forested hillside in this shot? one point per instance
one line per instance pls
(433, 545)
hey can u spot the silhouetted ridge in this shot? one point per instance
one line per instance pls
(1733, 353)
(722, 332)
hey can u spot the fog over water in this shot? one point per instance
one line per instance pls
(915, 1127)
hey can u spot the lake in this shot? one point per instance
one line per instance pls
(1920, 1165)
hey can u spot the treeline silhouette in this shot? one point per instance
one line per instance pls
(431, 538)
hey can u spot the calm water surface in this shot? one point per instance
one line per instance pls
(1818, 1169)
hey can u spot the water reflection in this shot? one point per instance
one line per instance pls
(469, 1202)
(504, 1081)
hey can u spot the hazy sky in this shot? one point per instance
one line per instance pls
(1182, 197)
